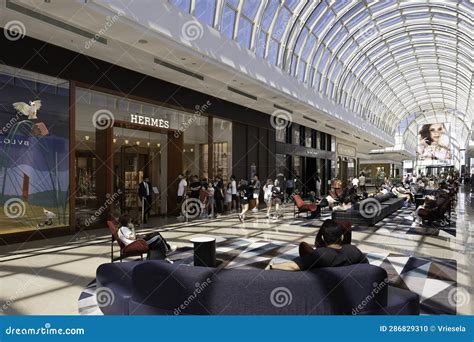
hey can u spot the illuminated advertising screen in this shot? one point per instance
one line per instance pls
(434, 144)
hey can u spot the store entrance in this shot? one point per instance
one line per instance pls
(137, 155)
(310, 172)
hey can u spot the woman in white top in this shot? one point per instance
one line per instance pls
(267, 195)
(126, 235)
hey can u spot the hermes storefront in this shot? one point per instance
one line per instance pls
(122, 141)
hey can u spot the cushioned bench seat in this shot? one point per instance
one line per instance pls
(159, 288)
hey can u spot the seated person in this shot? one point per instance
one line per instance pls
(328, 201)
(429, 203)
(154, 240)
(334, 252)
(312, 197)
(401, 192)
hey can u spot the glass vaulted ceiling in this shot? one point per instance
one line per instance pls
(384, 60)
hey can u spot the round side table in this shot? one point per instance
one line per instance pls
(204, 251)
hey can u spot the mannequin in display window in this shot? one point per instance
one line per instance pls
(145, 192)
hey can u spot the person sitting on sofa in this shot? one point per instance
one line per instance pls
(401, 192)
(335, 251)
(429, 203)
(154, 240)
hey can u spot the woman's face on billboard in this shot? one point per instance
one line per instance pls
(436, 132)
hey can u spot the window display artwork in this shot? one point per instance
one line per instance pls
(34, 154)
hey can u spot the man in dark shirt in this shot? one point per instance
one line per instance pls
(195, 187)
(335, 253)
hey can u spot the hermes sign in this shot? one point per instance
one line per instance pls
(149, 121)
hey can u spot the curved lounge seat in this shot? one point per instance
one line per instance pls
(159, 288)
(115, 278)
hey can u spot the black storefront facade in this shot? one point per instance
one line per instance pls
(302, 153)
(232, 140)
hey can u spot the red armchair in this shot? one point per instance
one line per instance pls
(303, 207)
(136, 248)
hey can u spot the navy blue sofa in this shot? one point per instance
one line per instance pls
(388, 204)
(160, 288)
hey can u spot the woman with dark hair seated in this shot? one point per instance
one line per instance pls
(333, 249)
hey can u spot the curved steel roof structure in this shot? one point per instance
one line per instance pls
(386, 61)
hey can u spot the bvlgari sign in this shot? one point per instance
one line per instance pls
(149, 121)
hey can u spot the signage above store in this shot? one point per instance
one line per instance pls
(311, 152)
(346, 150)
(149, 121)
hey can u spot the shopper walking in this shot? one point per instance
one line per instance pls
(181, 195)
(267, 195)
(219, 195)
(256, 192)
(235, 200)
(245, 193)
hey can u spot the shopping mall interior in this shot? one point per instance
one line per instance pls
(236, 157)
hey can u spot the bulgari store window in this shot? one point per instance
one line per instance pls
(34, 151)
(123, 141)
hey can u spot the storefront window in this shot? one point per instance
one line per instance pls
(139, 148)
(222, 137)
(281, 164)
(195, 152)
(296, 134)
(34, 157)
(280, 134)
(323, 140)
(308, 137)
(297, 166)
